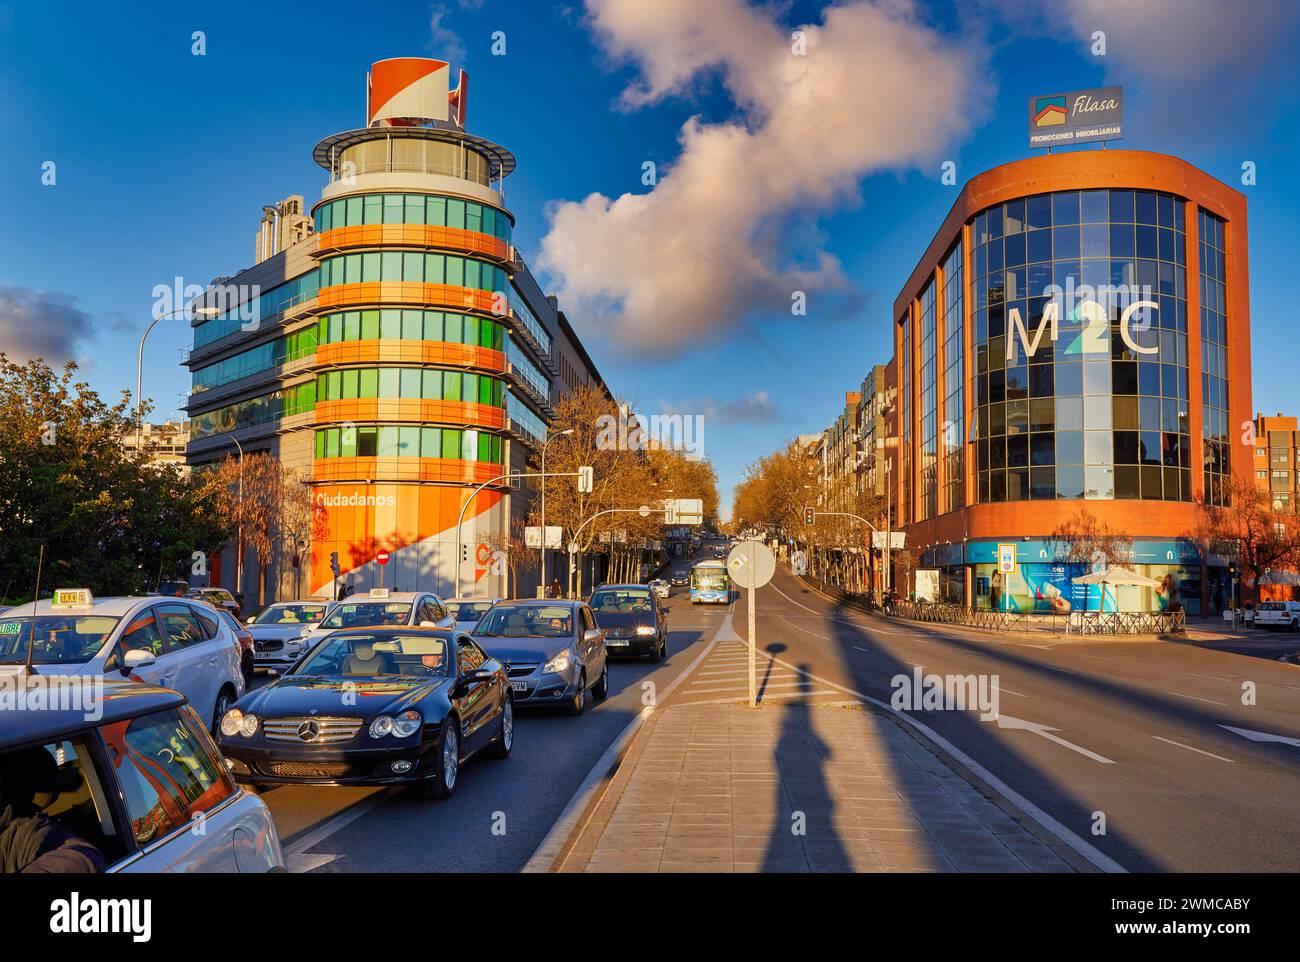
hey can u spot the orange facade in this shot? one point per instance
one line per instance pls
(415, 522)
(1071, 171)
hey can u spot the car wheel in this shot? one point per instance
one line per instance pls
(578, 703)
(225, 698)
(505, 740)
(443, 783)
(601, 689)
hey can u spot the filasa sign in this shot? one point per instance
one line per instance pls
(1079, 117)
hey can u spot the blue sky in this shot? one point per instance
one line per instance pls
(164, 160)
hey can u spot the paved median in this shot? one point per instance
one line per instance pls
(795, 788)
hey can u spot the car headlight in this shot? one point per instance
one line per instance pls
(381, 726)
(407, 723)
(235, 722)
(645, 631)
(559, 663)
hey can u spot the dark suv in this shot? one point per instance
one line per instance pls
(632, 619)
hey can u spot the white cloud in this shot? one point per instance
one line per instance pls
(444, 43)
(877, 90)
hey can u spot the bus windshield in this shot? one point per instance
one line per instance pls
(709, 579)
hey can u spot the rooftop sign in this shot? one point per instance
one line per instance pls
(412, 91)
(1078, 117)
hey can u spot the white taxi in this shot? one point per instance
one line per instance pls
(382, 607)
(168, 642)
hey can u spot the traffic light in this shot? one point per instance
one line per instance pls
(586, 477)
(334, 563)
(809, 516)
(464, 554)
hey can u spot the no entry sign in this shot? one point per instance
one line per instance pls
(381, 557)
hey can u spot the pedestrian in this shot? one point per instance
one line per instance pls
(555, 588)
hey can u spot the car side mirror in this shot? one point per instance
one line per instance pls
(137, 658)
(591, 635)
(466, 678)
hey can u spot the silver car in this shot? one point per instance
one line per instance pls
(554, 652)
(280, 631)
(117, 776)
(170, 642)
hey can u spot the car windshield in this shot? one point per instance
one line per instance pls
(364, 614)
(468, 610)
(527, 621)
(1270, 606)
(291, 615)
(621, 600)
(356, 655)
(60, 639)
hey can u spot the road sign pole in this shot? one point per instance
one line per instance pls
(753, 641)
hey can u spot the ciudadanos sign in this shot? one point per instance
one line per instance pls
(1080, 117)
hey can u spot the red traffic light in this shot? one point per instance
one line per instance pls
(382, 556)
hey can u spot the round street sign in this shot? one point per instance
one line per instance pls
(381, 556)
(751, 564)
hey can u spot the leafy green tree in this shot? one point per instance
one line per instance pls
(109, 520)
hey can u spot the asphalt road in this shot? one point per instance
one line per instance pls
(1129, 731)
(1133, 730)
(502, 810)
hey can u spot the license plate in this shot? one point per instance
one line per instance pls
(616, 642)
(519, 686)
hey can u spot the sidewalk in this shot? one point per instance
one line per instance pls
(719, 788)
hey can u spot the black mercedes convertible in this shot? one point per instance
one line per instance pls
(374, 706)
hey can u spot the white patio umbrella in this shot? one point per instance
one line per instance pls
(1115, 576)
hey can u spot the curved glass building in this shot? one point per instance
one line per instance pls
(396, 350)
(1077, 336)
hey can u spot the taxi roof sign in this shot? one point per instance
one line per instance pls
(379, 592)
(72, 598)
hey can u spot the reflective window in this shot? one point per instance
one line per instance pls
(409, 441)
(450, 269)
(168, 771)
(413, 209)
(1087, 414)
(1214, 358)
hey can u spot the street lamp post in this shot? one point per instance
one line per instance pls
(508, 476)
(549, 439)
(889, 502)
(139, 364)
(239, 536)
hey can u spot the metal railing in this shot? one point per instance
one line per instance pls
(1070, 623)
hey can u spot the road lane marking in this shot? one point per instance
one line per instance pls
(1020, 724)
(762, 688)
(296, 857)
(1255, 736)
(1191, 748)
(1209, 701)
(771, 695)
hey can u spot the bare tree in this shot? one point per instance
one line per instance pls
(1249, 531)
(1085, 539)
